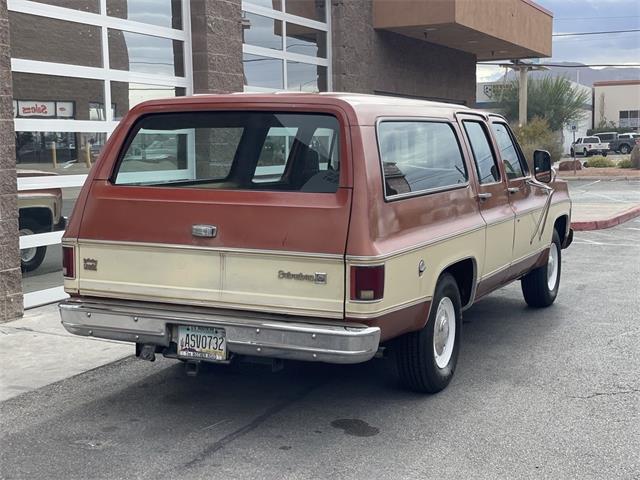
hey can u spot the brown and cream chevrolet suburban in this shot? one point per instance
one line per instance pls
(318, 227)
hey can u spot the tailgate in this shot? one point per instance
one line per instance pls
(259, 236)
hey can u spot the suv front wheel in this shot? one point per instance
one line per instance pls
(540, 286)
(427, 358)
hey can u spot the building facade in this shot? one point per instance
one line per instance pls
(72, 68)
(616, 103)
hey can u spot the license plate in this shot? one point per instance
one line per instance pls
(204, 343)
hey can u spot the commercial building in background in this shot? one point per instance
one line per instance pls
(486, 93)
(78, 66)
(617, 103)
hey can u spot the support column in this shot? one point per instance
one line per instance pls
(10, 276)
(216, 33)
(523, 86)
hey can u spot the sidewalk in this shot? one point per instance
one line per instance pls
(36, 351)
(603, 203)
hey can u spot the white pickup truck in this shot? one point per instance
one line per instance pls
(589, 146)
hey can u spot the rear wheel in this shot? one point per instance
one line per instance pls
(427, 358)
(540, 286)
(586, 152)
(624, 149)
(31, 258)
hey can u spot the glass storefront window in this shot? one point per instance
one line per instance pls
(60, 152)
(136, 52)
(164, 13)
(306, 41)
(311, 9)
(273, 4)
(61, 42)
(50, 97)
(125, 95)
(261, 31)
(92, 6)
(305, 77)
(262, 72)
(41, 266)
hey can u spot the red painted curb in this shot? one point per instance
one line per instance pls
(607, 222)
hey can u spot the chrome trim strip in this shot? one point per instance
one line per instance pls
(412, 248)
(395, 308)
(512, 263)
(247, 333)
(500, 222)
(249, 251)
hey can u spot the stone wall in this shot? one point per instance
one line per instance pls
(366, 60)
(216, 32)
(10, 276)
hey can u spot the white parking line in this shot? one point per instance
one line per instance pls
(589, 184)
(605, 244)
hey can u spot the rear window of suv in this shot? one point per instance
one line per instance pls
(233, 150)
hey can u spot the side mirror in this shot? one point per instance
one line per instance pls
(542, 166)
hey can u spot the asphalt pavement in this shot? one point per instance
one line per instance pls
(552, 393)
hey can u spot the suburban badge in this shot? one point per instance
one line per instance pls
(90, 264)
(318, 277)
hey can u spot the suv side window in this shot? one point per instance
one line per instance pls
(418, 156)
(485, 159)
(508, 151)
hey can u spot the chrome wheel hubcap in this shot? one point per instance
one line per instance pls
(552, 267)
(444, 333)
(27, 254)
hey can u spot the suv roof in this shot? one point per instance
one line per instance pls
(362, 109)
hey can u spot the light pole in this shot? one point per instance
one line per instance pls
(523, 84)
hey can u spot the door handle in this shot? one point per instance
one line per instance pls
(485, 196)
(207, 231)
(513, 190)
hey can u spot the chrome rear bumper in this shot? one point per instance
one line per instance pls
(247, 333)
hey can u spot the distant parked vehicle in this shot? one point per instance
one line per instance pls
(624, 142)
(588, 146)
(607, 136)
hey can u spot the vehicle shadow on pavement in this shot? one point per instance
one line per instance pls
(130, 408)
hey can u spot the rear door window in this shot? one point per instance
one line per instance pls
(233, 150)
(483, 155)
(419, 156)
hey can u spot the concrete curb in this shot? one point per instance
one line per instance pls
(607, 222)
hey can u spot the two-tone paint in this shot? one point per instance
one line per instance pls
(142, 242)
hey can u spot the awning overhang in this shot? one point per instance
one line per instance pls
(489, 29)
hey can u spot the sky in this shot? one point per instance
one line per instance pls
(589, 16)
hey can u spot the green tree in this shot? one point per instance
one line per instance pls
(551, 98)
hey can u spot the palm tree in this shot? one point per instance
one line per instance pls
(551, 98)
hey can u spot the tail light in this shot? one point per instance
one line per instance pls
(68, 262)
(367, 283)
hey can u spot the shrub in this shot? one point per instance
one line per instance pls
(536, 135)
(626, 163)
(600, 162)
